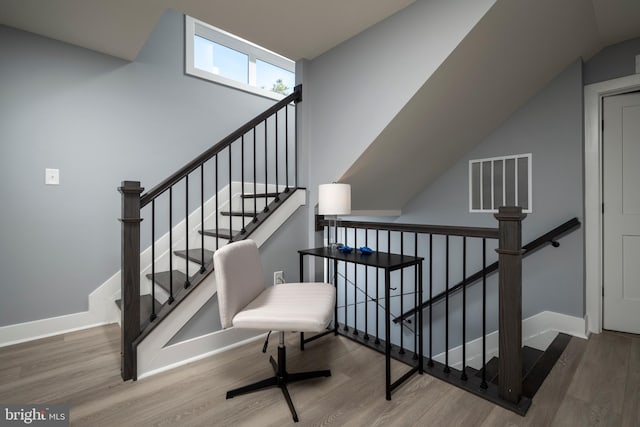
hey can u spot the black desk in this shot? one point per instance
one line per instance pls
(389, 262)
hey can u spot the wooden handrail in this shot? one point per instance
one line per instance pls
(146, 198)
(489, 233)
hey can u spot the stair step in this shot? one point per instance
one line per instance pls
(223, 233)
(238, 213)
(258, 195)
(163, 279)
(195, 255)
(145, 307)
(530, 356)
(537, 374)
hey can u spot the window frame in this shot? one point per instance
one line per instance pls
(504, 159)
(195, 27)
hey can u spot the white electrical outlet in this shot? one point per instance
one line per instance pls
(52, 176)
(278, 277)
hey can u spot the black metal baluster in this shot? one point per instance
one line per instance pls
(255, 191)
(366, 290)
(187, 283)
(266, 187)
(402, 294)
(463, 377)
(277, 199)
(415, 299)
(387, 284)
(230, 200)
(202, 269)
(355, 285)
(217, 212)
(430, 362)
(286, 147)
(243, 230)
(346, 283)
(170, 300)
(446, 309)
(377, 341)
(295, 163)
(153, 260)
(483, 384)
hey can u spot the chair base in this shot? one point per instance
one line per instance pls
(280, 379)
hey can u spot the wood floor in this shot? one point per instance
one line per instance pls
(595, 383)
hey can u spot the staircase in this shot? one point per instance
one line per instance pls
(227, 193)
(230, 224)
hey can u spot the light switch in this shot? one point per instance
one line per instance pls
(52, 176)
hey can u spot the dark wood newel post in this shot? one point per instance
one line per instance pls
(130, 275)
(510, 303)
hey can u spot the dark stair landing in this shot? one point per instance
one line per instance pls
(536, 365)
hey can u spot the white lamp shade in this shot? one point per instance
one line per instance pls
(334, 199)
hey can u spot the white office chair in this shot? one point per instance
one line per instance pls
(245, 303)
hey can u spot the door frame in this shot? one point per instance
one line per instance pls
(593, 227)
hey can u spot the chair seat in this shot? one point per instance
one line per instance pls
(301, 307)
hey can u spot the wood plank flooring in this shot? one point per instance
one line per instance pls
(594, 383)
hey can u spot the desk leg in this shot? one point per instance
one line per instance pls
(387, 331)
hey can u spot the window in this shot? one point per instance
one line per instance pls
(500, 181)
(221, 57)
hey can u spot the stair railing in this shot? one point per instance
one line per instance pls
(549, 238)
(272, 144)
(438, 245)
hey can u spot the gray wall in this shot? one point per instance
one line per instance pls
(614, 61)
(354, 90)
(549, 126)
(100, 120)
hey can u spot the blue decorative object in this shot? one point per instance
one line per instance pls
(366, 250)
(345, 249)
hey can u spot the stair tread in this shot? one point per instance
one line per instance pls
(258, 195)
(163, 279)
(238, 213)
(195, 255)
(530, 356)
(537, 374)
(145, 307)
(223, 233)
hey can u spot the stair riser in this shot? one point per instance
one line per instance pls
(249, 203)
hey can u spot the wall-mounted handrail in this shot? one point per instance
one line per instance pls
(548, 238)
(295, 97)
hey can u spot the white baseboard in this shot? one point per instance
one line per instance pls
(538, 331)
(36, 329)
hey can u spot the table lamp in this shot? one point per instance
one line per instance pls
(333, 200)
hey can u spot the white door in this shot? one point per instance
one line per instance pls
(621, 187)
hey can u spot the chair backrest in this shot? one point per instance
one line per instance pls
(239, 278)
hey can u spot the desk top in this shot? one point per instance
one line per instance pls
(377, 259)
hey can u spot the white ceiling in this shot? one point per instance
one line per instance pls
(296, 29)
